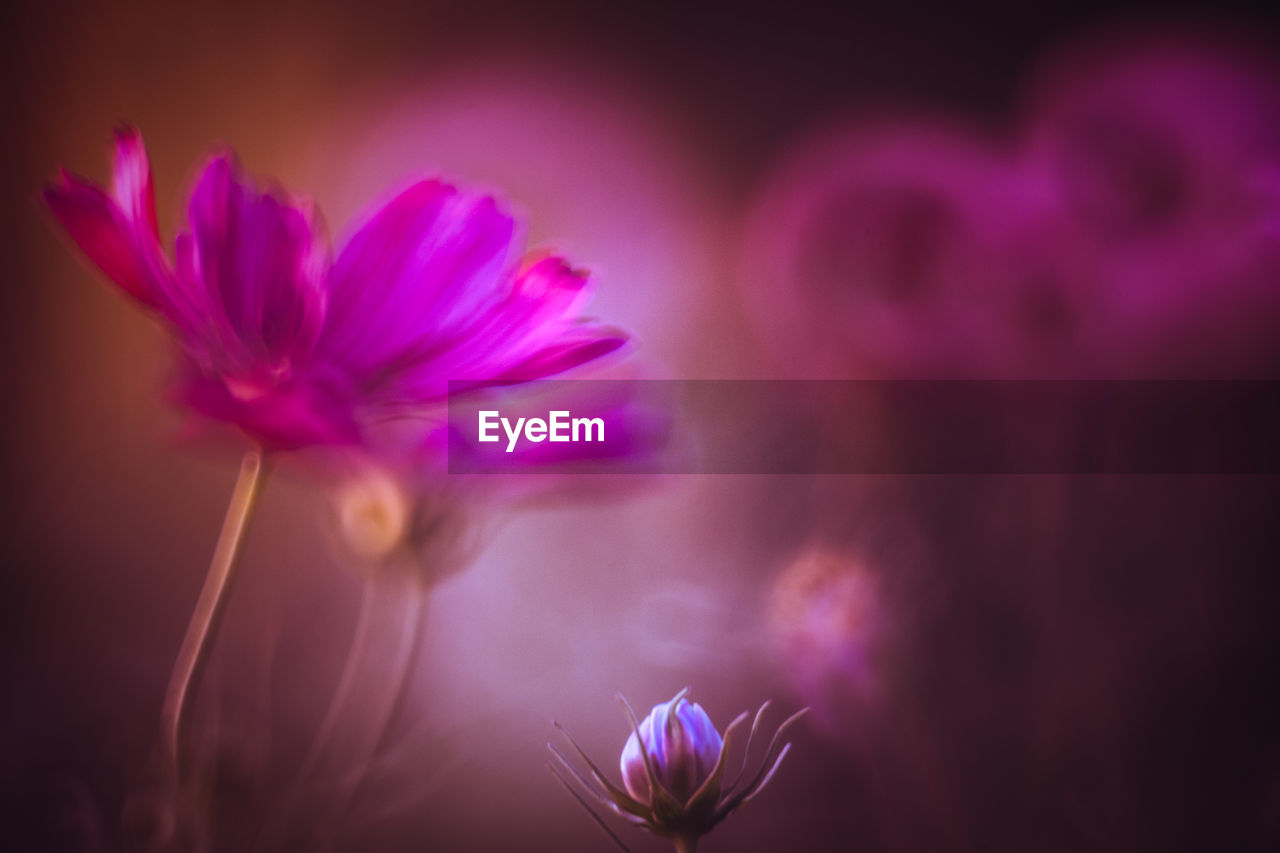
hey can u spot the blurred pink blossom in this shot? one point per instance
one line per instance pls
(828, 620)
(296, 349)
(1156, 149)
(1125, 228)
(904, 249)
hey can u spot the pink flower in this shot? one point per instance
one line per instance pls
(905, 248)
(1154, 149)
(296, 348)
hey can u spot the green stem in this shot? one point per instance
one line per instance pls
(208, 611)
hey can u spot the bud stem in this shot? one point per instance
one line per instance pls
(685, 843)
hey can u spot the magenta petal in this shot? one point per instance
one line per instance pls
(136, 199)
(134, 188)
(526, 333)
(583, 344)
(539, 310)
(121, 234)
(415, 273)
(540, 305)
(104, 234)
(555, 286)
(259, 262)
(543, 297)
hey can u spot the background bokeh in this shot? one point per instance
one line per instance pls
(995, 663)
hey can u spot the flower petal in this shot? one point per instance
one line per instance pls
(704, 741)
(103, 232)
(529, 333)
(542, 300)
(133, 185)
(580, 345)
(120, 234)
(257, 262)
(413, 275)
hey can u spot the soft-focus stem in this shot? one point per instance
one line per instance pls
(360, 640)
(685, 843)
(374, 679)
(332, 722)
(209, 607)
(385, 706)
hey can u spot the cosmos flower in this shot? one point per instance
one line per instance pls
(297, 348)
(674, 783)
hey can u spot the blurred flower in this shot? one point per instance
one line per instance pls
(385, 520)
(1155, 140)
(296, 349)
(372, 514)
(1129, 233)
(825, 613)
(674, 781)
(912, 248)
(1156, 150)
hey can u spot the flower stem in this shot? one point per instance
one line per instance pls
(384, 699)
(208, 611)
(685, 843)
(375, 678)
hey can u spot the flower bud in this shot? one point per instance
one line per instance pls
(679, 751)
(683, 747)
